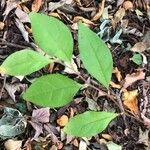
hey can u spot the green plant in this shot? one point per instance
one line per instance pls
(56, 90)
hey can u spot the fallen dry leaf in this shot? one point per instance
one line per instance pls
(41, 115)
(114, 85)
(36, 5)
(78, 18)
(10, 5)
(107, 137)
(53, 14)
(2, 25)
(141, 46)
(13, 145)
(13, 88)
(117, 73)
(119, 15)
(131, 78)
(62, 121)
(130, 100)
(38, 129)
(23, 16)
(100, 11)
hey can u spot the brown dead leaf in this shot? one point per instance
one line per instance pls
(131, 78)
(130, 100)
(119, 16)
(36, 5)
(141, 46)
(86, 21)
(62, 121)
(100, 11)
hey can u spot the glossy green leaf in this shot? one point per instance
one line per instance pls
(89, 123)
(52, 36)
(95, 55)
(23, 62)
(53, 90)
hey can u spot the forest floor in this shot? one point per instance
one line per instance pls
(125, 27)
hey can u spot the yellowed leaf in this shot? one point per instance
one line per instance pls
(114, 85)
(36, 5)
(107, 137)
(62, 121)
(117, 73)
(54, 15)
(130, 100)
(131, 78)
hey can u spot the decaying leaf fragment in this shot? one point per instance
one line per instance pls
(117, 73)
(13, 144)
(118, 16)
(140, 47)
(130, 100)
(131, 78)
(36, 5)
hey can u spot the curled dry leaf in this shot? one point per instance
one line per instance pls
(10, 5)
(117, 73)
(13, 145)
(107, 137)
(130, 100)
(131, 78)
(36, 5)
(100, 11)
(114, 85)
(62, 121)
(86, 21)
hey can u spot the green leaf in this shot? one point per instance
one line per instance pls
(52, 91)
(23, 62)
(89, 123)
(52, 36)
(112, 146)
(137, 58)
(95, 55)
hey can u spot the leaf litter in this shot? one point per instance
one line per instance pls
(119, 24)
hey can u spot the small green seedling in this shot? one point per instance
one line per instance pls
(55, 90)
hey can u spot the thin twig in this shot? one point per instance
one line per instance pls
(118, 96)
(11, 44)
